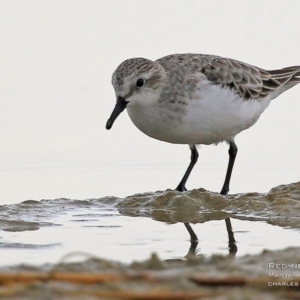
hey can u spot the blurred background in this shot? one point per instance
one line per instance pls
(56, 61)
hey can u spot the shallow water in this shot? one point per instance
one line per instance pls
(131, 228)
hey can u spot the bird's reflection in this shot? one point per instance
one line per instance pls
(201, 206)
(232, 247)
(161, 210)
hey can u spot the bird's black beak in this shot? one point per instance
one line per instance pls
(120, 106)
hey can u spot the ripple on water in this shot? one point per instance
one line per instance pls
(280, 206)
(109, 224)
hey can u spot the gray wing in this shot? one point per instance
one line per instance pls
(249, 81)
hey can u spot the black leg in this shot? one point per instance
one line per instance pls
(181, 187)
(194, 238)
(232, 154)
(231, 241)
(194, 157)
(225, 189)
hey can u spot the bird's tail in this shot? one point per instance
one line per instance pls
(286, 76)
(276, 82)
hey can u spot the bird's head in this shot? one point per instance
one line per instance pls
(137, 82)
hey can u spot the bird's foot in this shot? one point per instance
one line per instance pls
(224, 191)
(181, 188)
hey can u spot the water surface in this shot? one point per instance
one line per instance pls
(131, 228)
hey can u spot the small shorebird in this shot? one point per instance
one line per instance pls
(196, 99)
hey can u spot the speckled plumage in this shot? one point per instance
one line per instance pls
(195, 98)
(183, 81)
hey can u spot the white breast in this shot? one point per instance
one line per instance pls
(210, 115)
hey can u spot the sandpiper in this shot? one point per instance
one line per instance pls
(196, 99)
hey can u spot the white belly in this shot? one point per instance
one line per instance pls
(220, 118)
(212, 115)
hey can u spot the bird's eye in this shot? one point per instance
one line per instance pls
(140, 82)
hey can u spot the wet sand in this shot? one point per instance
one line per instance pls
(268, 275)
